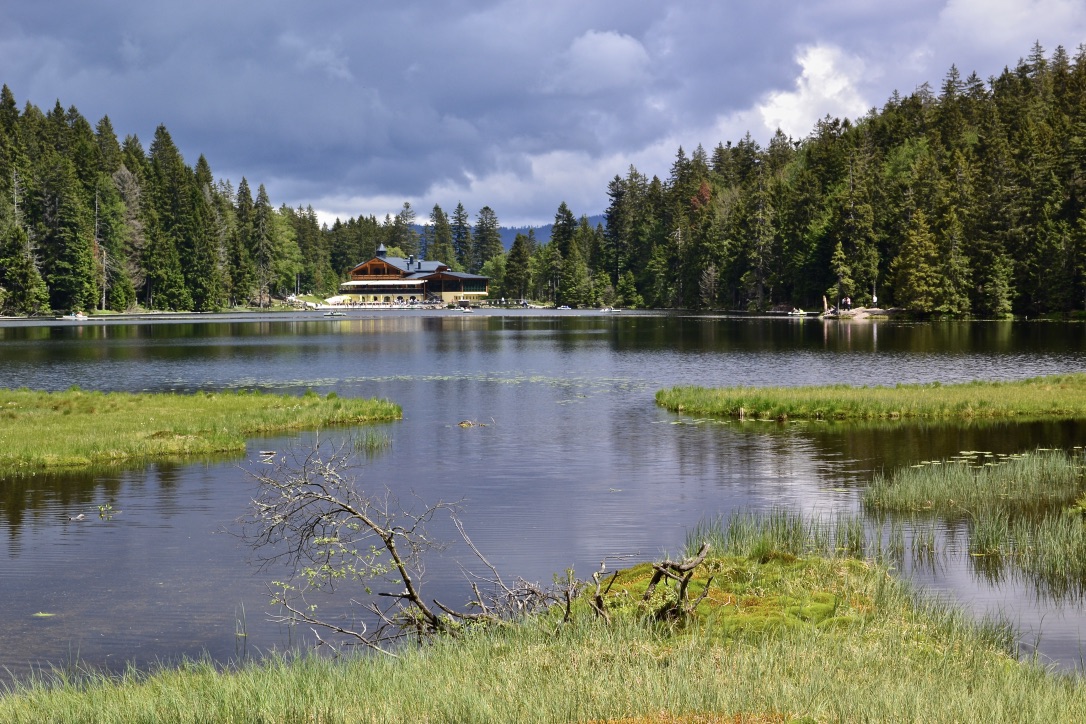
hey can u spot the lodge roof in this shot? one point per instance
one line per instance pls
(413, 268)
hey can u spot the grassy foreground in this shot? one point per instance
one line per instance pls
(780, 637)
(1057, 396)
(42, 430)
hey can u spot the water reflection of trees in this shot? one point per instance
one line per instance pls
(42, 495)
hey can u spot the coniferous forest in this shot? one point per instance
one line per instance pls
(968, 199)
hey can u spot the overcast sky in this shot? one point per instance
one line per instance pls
(354, 107)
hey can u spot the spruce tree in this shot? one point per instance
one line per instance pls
(64, 231)
(25, 292)
(487, 236)
(916, 269)
(518, 269)
(565, 227)
(461, 237)
(175, 225)
(441, 241)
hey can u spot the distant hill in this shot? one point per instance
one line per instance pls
(542, 233)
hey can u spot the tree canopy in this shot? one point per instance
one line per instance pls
(969, 200)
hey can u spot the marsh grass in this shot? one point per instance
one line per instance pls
(1053, 549)
(973, 483)
(371, 442)
(803, 637)
(47, 430)
(1050, 551)
(1059, 396)
(782, 533)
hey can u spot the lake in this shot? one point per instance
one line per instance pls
(570, 461)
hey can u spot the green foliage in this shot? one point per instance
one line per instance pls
(495, 268)
(627, 295)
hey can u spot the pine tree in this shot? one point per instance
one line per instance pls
(173, 235)
(263, 244)
(517, 268)
(487, 235)
(241, 267)
(441, 244)
(565, 227)
(626, 292)
(402, 232)
(203, 270)
(110, 156)
(130, 255)
(461, 237)
(24, 290)
(64, 233)
(915, 270)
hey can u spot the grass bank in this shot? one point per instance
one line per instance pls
(780, 637)
(45, 430)
(1058, 396)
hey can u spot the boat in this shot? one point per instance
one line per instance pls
(335, 314)
(78, 316)
(466, 310)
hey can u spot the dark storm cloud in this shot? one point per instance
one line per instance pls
(355, 107)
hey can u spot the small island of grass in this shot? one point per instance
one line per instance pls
(1056, 396)
(76, 428)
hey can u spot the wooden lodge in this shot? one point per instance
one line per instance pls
(397, 281)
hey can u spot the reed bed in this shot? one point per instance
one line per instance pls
(1057, 396)
(76, 428)
(782, 533)
(840, 640)
(977, 482)
(1050, 551)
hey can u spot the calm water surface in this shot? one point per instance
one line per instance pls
(572, 461)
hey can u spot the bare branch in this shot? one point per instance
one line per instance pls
(311, 516)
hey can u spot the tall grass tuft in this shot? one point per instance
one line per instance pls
(990, 534)
(372, 442)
